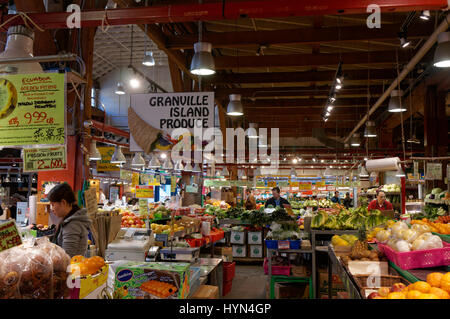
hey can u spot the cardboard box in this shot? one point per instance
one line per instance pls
(337, 284)
(239, 251)
(368, 267)
(226, 252)
(90, 286)
(254, 238)
(291, 290)
(256, 251)
(138, 280)
(300, 271)
(206, 292)
(237, 237)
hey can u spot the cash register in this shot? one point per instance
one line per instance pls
(130, 244)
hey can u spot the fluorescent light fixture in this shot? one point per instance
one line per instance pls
(203, 62)
(94, 154)
(442, 53)
(235, 107)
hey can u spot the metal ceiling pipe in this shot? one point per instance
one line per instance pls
(42, 59)
(409, 67)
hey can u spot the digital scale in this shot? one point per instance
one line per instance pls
(187, 254)
(130, 244)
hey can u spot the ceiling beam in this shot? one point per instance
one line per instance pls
(296, 91)
(230, 10)
(299, 103)
(299, 36)
(310, 60)
(297, 77)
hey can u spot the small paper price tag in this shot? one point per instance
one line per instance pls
(283, 244)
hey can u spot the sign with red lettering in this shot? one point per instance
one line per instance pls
(44, 159)
(9, 235)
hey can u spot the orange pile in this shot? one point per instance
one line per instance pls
(437, 286)
(86, 266)
(437, 227)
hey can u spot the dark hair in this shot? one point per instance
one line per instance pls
(276, 189)
(379, 191)
(60, 192)
(347, 193)
(248, 190)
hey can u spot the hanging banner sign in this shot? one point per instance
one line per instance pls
(9, 235)
(144, 191)
(126, 175)
(32, 109)
(170, 111)
(434, 171)
(304, 186)
(105, 165)
(173, 184)
(44, 159)
(416, 170)
(134, 179)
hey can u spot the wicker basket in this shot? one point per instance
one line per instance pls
(384, 281)
(300, 271)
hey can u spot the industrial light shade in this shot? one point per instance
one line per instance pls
(94, 154)
(225, 171)
(251, 131)
(235, 107)
(355, 140)
(293, 172)
(178, 166)
(154, 162)
(370, 130)
(148, 59)
(167, 164)
(118, 157)
(395, 102)
(257, 172)
(400, 172)
(442, 53)
(425, 15)
(327, 172)
(120, 90)
(196, 168)
(363, 172)
(188, 167)
(203, 62)
(138, 160)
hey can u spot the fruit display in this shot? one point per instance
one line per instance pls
(437, 286)
(81, 266)
(436, 226)
(36, 272)
(166, 229)
(391, 188)
(438, 193)
(401, 238)
(131, 220)
(8, 98)
(344, 240)
(348, 219)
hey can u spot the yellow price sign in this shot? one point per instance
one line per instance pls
(304, 186)
(144, 191)
(320, 184)
(105, 165)
(134, 179)
(293, 184)
(271, 184)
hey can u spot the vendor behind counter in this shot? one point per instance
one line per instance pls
(380, 202)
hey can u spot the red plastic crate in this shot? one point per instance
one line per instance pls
(216, 235)
(193, 242)
(277, 270)
(229, 270)
(418, 259)
(227, 287)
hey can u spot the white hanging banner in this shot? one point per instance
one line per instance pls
(170, 111)
(434, 171)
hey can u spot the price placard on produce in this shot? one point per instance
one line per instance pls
(134, 179)
(304, 186)
(173, 184)
(144, 191)
(44, 159)
(320, 184)
(293, 184)
(32, 109)
(90, 198)
(9, 235)
(143, 207)
(126, 175)
(105, 165)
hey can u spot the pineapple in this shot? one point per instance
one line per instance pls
(360, 246)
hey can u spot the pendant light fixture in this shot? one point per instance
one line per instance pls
(178, 166)
(154, 162)
(134, 81)
(395, 102)
(94, 154)
(252, 130)
(120, 90)
(148, 55)
(118, 157)
(167, 165)
(257, 172)
(225, 171)
(293, 173)
(19, 178)
(196, 168)
(355, 140)
(363, 172)
(34, 180)
(425, 15)
(370, 130)
(138, 160)
(202, 62)
(188, 167)
(235, 107)
(327, 172)
(442, 53)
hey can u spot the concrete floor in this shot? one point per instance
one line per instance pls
(249, 283)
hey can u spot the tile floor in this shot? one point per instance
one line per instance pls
(249, 283)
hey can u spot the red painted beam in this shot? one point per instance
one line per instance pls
(110, 129)
(231, 10)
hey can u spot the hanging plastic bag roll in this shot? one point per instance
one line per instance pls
(383, 164)
(32, 209)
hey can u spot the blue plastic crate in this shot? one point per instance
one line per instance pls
(295, 244)
(271, 244)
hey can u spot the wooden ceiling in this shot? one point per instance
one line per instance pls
(284, 67)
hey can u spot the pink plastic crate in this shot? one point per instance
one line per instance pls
(419, 258)
(277, 270)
